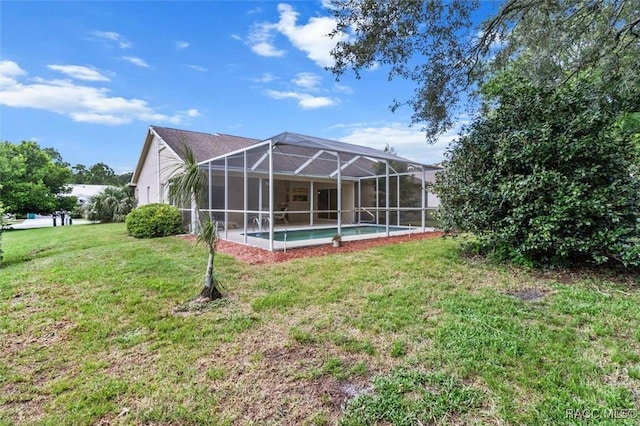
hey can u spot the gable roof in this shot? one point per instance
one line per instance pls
(203, 145)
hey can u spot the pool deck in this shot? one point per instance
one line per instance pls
(237, 236)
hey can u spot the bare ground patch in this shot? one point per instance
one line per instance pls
(527, 294)
(266, 378)
(22, 393)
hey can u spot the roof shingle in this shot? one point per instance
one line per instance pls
(203, 145)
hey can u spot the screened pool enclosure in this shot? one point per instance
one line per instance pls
(292, 182)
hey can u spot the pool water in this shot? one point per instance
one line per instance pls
(316, 233)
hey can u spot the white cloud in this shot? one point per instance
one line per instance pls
(113, 36)
(79, 72)
(236, 37)
(409, 142)
(80, 103)
(305, 100)
(110, 35)
(327, 4)
(9, 71)
(136, 61)
(307, 80)
(312, 37)
(197, 68)
(261, 40)
(265, 78)
(266, 49)
(182, 45)
(341, 88)
(374, 66)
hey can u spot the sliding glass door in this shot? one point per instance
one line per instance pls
(327, 201)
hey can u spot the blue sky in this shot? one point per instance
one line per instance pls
(88, 78)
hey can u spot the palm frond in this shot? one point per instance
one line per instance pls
(188, 181)
(208, 234)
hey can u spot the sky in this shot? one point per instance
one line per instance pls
(89, 78)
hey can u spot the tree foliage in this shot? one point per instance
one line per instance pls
(31, 177)
(125, 178)
(447, 51)
(97, 174)
(547, 172)
(66, 203)
(188, 183)
(549, 176)
(111, 205)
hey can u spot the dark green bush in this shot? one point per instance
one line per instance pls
(154, 220)
(548, 177)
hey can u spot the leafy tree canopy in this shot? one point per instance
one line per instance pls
(31, 177)
(440, 46)
(98, 174)
(125, 178)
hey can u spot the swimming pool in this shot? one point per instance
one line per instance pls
(317, 233)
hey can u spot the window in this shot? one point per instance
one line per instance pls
(299, 194)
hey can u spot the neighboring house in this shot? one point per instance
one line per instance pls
(84, 192)
(317, 181)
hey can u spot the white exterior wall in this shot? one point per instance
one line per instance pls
(369, 193)
(432, 199)
(158, 166)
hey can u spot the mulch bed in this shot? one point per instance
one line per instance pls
(255, 256)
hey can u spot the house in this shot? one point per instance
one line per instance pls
(261, 192)
(163, 149)
(84, 193)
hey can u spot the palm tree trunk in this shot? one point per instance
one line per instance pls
(210, 289)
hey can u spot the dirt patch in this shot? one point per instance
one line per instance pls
(528, 295)
(37, 339)
(265, 378)
(254, 255)
(23, 400)
(332, 393)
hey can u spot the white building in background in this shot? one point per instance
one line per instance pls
(85, 192)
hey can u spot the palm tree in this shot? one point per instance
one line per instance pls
(186, 188)
(208, 235)
(111, 205)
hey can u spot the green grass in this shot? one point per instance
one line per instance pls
(96, 326)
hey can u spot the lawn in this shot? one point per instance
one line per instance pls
(97, 328)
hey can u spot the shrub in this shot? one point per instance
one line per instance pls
(111, 205)
(548, 177)
(154, 220)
